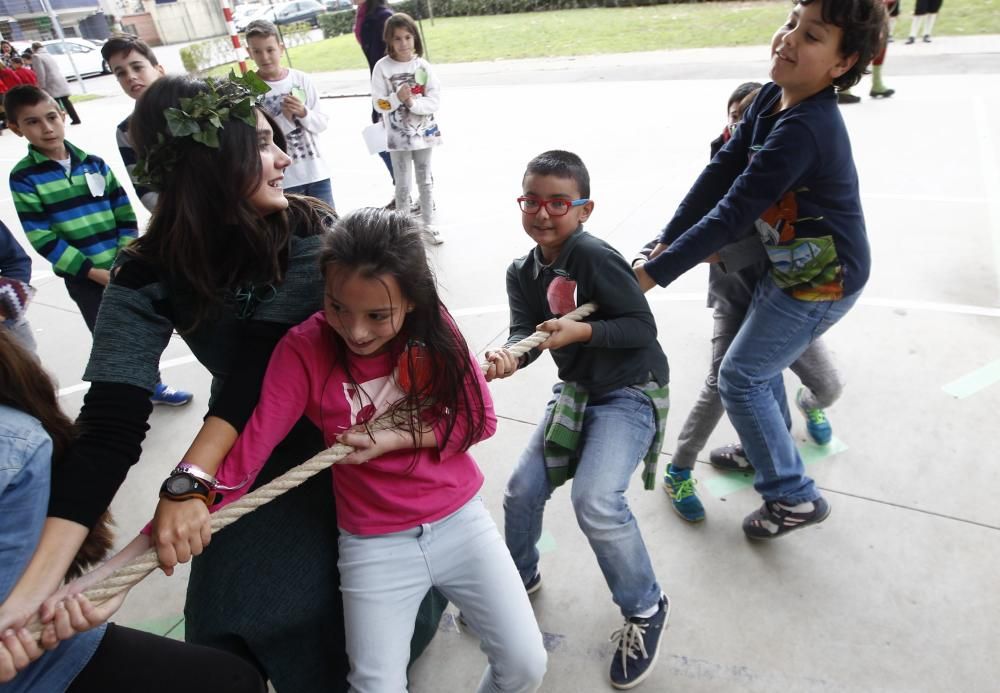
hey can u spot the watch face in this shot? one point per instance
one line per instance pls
(179, 484)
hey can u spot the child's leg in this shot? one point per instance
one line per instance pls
(819, 375)
(777, 330)
(524, 500)
(708, 409)
(401, 165)
(87, 295)
(618, 429)
(472, 567)
(383, 579)
(425, 183)
(67, 105)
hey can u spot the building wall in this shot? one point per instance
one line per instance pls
(188, 20)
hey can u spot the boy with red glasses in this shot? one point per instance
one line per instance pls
(608, 411)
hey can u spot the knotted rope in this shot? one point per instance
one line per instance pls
(142, 565)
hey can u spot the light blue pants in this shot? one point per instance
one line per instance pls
(618, 428)
(421, 166)
(384, 577)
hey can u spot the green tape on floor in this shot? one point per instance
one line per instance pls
(975, 381)
(546, 543)
(721, 484)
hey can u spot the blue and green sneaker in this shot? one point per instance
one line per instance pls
(680, 487)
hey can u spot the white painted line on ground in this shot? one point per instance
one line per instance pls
(991, 176)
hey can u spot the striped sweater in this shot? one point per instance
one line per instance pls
(78, 221)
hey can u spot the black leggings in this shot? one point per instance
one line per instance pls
(130, 660)
(927, 7)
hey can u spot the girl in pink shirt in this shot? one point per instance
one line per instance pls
(408, 504)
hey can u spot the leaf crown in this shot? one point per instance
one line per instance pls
(200, 117)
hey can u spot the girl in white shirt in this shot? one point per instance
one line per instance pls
(406, 93)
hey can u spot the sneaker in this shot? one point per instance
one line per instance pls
(844, 97)
(817, 425)
(730, 458)
(773, 519)
(637, 645)
(534, 584)
(680, 487)
(434, 237)
(164, 394)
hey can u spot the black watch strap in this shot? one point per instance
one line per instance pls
(183, 486)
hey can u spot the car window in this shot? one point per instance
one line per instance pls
(55, 48)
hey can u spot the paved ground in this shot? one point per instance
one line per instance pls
(897, 590)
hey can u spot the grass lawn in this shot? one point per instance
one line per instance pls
(79, 98)
(616, 30)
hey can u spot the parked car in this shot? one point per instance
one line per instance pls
(86, 56)
(244, 14)
(336, 5)
(298, 11)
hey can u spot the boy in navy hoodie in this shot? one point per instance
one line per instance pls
(787, 172)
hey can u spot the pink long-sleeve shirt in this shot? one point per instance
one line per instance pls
(391, 493)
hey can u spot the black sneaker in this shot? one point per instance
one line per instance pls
(534, 584)
(773, 519)
(637, 645)
(730, 458)
(846, 97)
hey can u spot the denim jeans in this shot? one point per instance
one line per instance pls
(618, 429)
(25, 474)
(776, 331)
(384, 577)
(320, 189)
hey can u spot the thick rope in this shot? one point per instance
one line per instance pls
(142, 565)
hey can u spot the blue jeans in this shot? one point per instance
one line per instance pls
(777, 329)
(618, 429)
(384, 577)
(320, 189)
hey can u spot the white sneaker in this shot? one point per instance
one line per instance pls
(434, 237)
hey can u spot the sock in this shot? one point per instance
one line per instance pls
(844, 91)
(877, 86)
(648, 613)
(806, 507)
(892, 25)
(929, 24)
(918, 21)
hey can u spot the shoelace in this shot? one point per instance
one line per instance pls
(682, 489)
(630, 642)
(817, 416)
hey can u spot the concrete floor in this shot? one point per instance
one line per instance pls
(897, 590)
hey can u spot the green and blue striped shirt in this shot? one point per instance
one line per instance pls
(77, 221)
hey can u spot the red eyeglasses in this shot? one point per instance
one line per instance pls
(555, 207)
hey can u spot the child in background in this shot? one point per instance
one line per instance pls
(788, 171)
(606, 415)
(15, 288)
(72, 208)
(731, 283)
(25, 73)
(408, 504)
(294, 103)
(135, 66)
(407, 94)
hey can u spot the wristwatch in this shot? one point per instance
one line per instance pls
(183, 486)
(206, 478)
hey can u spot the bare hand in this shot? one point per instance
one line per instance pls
(502, 364)
(181, 530)
(76, 614)
(291, 107)
(660, 247)
(102, 277)
(405, 95)
(369, 446)
(18, 649)
(563, 332)
(645, 281)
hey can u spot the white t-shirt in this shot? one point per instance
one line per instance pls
(413, 127)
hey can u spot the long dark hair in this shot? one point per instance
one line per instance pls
(25, 386)
(204, 233)
(372, 242)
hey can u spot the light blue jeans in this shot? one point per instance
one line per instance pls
(384, 578)
(776, 331)
(420, 162)
(617, 431)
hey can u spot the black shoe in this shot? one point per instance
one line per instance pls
(910, 40)
(927, 38)
(638, 644)
(730, 458)
(884, 94)
(773, 519)
(843, 98)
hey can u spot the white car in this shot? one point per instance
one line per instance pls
(242, 14)
(86, 56)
